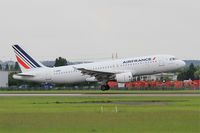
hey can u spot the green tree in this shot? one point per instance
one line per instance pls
(197, 74)
(191, 71)
(182, 75)
(188, 73)
(12, 81)
(60, 62)
(16, 68)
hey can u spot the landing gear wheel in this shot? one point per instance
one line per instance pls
(105, 87)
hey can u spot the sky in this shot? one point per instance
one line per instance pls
(92, 29)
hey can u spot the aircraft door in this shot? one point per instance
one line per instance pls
(161, 62)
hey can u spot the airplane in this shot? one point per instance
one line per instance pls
(120, 70)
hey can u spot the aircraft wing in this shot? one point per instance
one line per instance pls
(99, 75)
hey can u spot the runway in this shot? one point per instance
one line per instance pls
(101, 95)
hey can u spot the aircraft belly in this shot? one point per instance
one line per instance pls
(76, 78)
(69, 78)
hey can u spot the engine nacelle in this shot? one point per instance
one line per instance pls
(91, 79)
(124, 77)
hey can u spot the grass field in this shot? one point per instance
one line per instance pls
(102, 92)
(100, 115)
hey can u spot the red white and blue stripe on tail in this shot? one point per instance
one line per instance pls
(25, 60)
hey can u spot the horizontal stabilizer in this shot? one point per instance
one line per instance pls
(25, 75)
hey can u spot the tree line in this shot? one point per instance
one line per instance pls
(189, 73)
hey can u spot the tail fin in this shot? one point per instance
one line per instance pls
(25, 61)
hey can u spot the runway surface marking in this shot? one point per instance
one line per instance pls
(101, 95)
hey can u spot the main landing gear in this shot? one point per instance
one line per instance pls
(105, 87)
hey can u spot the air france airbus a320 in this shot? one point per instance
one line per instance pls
(120, 70)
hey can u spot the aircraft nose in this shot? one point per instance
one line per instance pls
(182, 63)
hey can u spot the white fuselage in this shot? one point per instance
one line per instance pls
(137, 66)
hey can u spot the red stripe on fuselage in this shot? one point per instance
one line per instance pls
(22, 63)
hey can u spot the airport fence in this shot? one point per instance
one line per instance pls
(158, 85)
